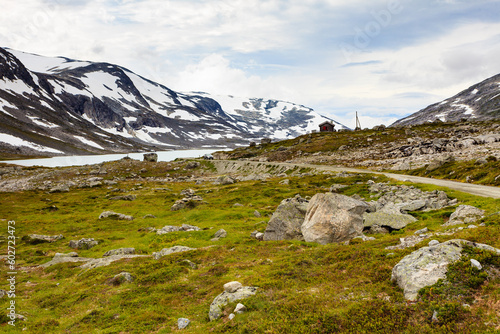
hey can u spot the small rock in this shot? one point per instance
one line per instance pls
(471, 226)
(149, 216)
(220, 234)
(240, 308)
(435, 317)
(422, 231)
(71, 254)
(115, 215)
(476, 264)
(84, 243)
(123, 277)
(259, 236)
(232, 287)
(171, 250)
(191, 264)
(151, 157)
(192, 165)
(62, 188)
(124, 198)
(433, 243)
(257, 214)
(237, 205)
(183, 323)
(231, 316)
(120, 251)
(226, 297)
(465, 214)
(35, 239)
(285, 182)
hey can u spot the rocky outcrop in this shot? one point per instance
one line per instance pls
(427, 265)
(333, 218)
(232, 291)
(287, 220)
(402, 199)
(465, 214)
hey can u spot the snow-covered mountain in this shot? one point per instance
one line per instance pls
(64, 106)
(480, 102)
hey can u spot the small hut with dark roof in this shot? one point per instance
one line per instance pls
(327, 127)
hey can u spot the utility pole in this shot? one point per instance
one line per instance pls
(358, 124)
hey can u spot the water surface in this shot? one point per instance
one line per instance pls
(80, 160)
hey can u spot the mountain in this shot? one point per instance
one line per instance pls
(480, 102)
(62, 106)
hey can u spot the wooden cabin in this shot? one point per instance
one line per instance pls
(327, 127)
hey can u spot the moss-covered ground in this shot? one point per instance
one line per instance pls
(303, 287)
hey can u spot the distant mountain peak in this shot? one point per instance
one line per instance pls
(479, 102)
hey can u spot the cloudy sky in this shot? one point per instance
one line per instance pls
(383, 58)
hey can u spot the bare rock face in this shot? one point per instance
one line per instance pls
(287, 220)
(333, 218)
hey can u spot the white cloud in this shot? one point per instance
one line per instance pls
(280, 49)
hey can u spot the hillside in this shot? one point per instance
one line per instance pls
(463, 151)
(51, 106)
(480, 102)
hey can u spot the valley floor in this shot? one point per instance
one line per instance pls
(302, 287)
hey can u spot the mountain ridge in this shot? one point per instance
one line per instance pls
(79, 107)
(479, 102)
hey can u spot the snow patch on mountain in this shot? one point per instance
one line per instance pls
(16, 141)
(89, 142)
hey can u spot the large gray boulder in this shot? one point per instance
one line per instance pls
(465, 214)
(427, 265)
(241, 292)
(374, 222)
(333, 218)
(287, 220)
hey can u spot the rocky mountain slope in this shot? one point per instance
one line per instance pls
(480, 102)
(64, 106)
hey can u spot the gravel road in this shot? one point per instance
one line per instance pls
(474, 189)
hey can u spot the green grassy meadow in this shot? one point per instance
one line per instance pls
(303, 287)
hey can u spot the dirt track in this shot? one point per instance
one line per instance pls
(474, 189)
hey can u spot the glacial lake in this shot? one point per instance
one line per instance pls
(81, 160)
